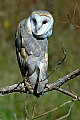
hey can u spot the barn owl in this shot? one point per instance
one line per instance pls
(31, 42)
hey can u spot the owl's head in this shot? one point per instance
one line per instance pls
(41, 23)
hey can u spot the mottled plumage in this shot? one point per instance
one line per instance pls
(31, 48)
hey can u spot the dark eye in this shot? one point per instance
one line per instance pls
(44, 22)
(34, 20)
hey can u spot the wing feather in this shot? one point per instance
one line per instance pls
(26, 45)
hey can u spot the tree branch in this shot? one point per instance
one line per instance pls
(54, 86)
(13, 88)
(75, 96)
(63, 80)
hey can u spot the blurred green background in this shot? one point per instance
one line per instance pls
(12, 106)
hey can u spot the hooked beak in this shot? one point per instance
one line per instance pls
(38, 29)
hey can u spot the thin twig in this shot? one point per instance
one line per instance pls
(77, 26)
(60, 106)
(65, 116)
(74, 11)
(59, 63)
(25, 107)
(34, 107)
(75, 96)
(72, 20)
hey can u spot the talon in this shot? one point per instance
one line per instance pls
(28, 86)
